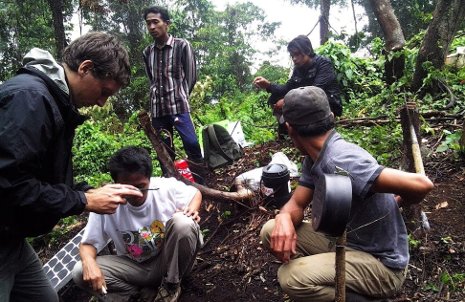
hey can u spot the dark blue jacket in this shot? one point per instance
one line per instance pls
(319, 73)
(37, 124)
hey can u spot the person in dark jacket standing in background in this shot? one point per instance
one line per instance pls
(38, 117)
(172, 72)
(310, 70)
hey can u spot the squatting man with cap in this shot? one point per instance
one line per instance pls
(38, 117)
(310, 70)
(377, 245)
(156, 236)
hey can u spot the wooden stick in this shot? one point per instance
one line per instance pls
(431, 117)
(341, 268)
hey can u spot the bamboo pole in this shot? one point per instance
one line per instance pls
(416, 153)
(413, 213)
(417, 160)
(420, 169)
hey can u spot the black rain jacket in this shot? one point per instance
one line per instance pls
(37, 124)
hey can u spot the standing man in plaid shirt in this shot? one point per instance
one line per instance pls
(170, 66)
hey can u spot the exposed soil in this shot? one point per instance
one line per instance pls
(233, 266)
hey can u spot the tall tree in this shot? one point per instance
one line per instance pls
(393, 35)
(448, 16)
(390, 26)
(24, 24)
(196, 15)
(223, 41)
(131, 16)
(57, 8)
(120, 17)
(413, 16)
(196, 21)
(325, 6)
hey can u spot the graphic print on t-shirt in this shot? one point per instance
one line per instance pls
(145, 242)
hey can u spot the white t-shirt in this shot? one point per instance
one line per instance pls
(138, 232)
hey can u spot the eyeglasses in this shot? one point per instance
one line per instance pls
(148, 189)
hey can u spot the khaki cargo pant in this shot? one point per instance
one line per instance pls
(310, 275)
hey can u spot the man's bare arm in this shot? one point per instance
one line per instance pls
(411, 187)
(284, 237)
(91, 272)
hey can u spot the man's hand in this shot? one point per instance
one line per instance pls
(398, 200)
(278, 106)
(283, 238)
(261, 82)
(92, 275)
(105, 200)
(192, 213)
(192, 210)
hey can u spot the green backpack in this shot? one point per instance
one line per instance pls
(219, 147)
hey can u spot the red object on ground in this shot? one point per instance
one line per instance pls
(183, 168)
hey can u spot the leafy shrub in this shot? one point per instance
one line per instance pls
(250, 109)
(451, 142)
(99, 138)
(382, 142)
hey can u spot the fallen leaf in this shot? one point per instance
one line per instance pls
(442, 205)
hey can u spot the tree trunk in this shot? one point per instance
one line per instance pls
(389, 24)
(325, 5)
(56, 6)
(395, 41)
(447, 18)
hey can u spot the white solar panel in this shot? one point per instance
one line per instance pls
(59, 268)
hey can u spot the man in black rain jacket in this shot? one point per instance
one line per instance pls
(38, 117)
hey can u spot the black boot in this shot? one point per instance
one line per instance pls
(199, 169)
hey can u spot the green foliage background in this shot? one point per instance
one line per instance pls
(365, 95)
(224, 43)
(99, 138)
